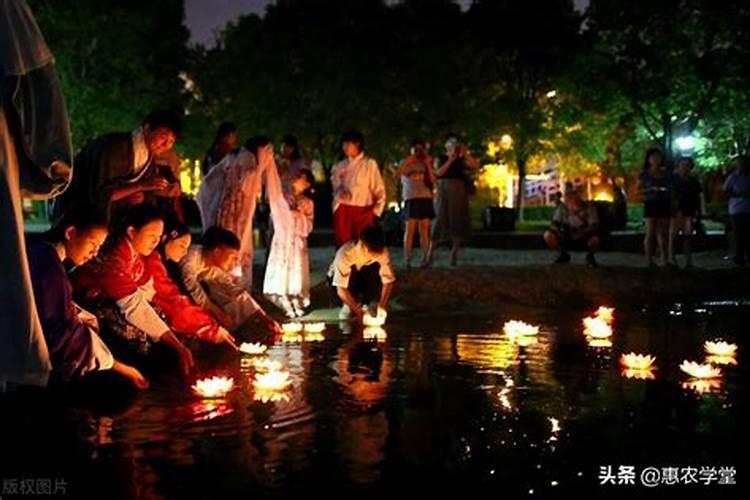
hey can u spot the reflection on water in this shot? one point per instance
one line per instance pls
(447, 404)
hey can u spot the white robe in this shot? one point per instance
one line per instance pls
(242, 187)
(33, 163)
(287, 279)
(211, 192)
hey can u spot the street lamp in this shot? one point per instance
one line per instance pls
(686, 143)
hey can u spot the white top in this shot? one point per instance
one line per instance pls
(140, 151)
(354, 253)
(357, 182)
(137, 310)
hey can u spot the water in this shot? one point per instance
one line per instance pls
(444, 404)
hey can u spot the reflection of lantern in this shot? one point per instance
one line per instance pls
(272, 380)
(252, 348)
(703, 386)
(314, 327)
(699, 371)
(515, 328)
(293, 327)
(291, 337)
(639, 374)
(202, 411)
(720, 348)
(376, 333)
(272, 396)
(314, 337)
(721, 360)
(637, 361)
(213, 387)
(266, 364)
(594, 342)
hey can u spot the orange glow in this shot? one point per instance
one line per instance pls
(597, 328)
(213, 387)
(270, 396)
(375, 333)
(720, 348)
(700, 371)
(637, 361)
(514, 329)
(702, 386)
(272, 381)
(638, 374)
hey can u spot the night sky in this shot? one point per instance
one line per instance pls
(206, 16)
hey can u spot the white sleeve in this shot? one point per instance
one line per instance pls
(101, 356)
(377, 187)
(342, 268)
(139, 313)
(386, 269)
(190, 278)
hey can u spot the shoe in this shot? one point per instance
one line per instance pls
(563, 258)
(591, 260)
(345, 312)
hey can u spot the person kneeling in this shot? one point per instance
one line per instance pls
(206, 274)
(70, 332)
(362, 273)
(575, 226)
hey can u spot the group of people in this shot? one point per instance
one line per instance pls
(672, 207)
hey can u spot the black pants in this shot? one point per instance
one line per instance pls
(741, 230)
(365, 285)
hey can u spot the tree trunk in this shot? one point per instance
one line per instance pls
(521, 162)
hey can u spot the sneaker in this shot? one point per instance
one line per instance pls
(563, 258)
(591, 260)
(345, 312)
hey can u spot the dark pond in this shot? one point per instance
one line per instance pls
(445, 404)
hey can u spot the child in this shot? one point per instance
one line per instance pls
(362, 274)
(206, 275)
(74, 346)
(287, 279)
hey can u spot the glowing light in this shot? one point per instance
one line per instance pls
(594, 342)
(515, 329)
(700, 371)
(525, 340)
(722, 360)
(291, 338)
(314, 337)
(606, 313)
(270, 396)
(642, 374)
(702, 386)
(686, 143)
(376, 333)
(377, 320)
(253, 348)
(275, 380)
(213, 387)
(266, 365)
(293, 327)
(720, 348)
(315, 327)
(637, 361)
(596, 327)
(203, 411)
(551, 94)
(555, 424)
(604, 196)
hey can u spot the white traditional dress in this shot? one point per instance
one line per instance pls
(211, 192)
(287, 279)
(242, 187)
(35, 154)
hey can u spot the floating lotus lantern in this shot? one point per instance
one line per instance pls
(270, 396)
(645, 374)
(635, 361)
(291, 338)
(721, 360)
(253, 348)
(525, 340)
(275, 380)
(594, 342)
(720, 348)
(515, 329)
(315, 327)
(314, 337)
(377, 320)
(213, 387)
(703, 386)
(266, 365)
(596, 327)
(376, 333)
(700, 371)
(293, 327)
